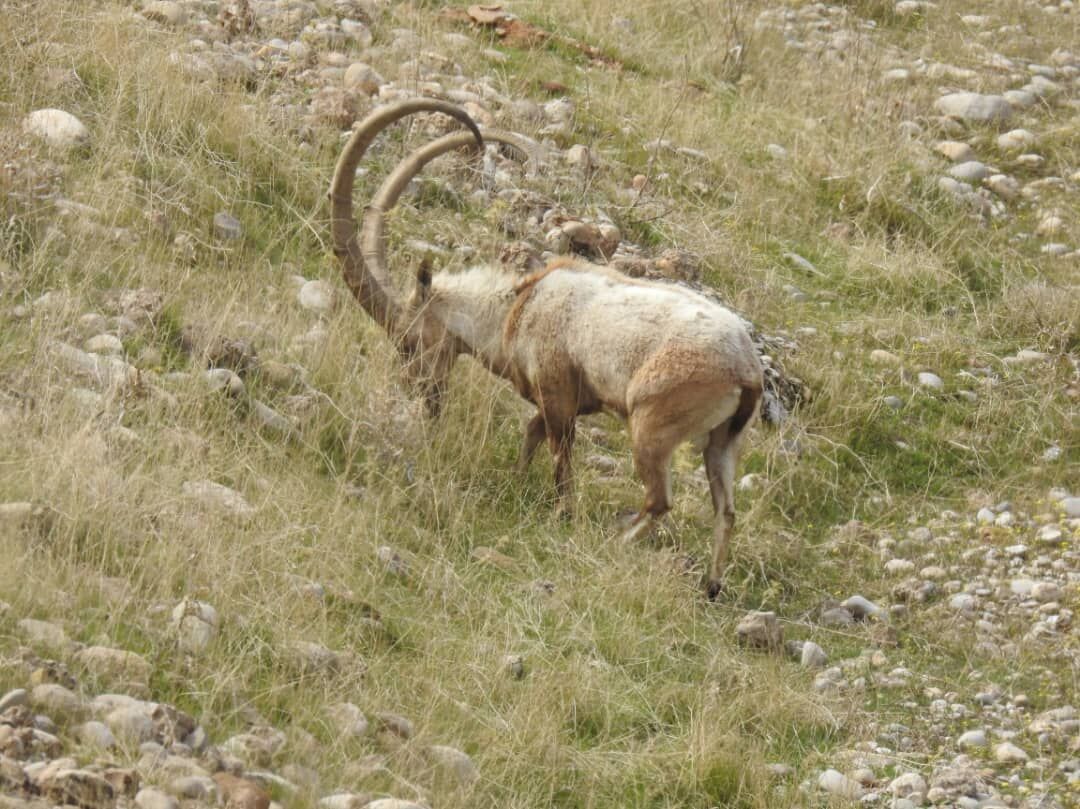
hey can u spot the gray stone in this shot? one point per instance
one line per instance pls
(115, 664)
(131, 725)
(104, 344)
(812, 656)
(974, 107)
(195, 623)
(348, 719)
(11, 699)
(96, 734)
(454, 763)
(56, 699)
(362, 78)
(194, 787)
(971, 171)
(1047, 591)
(863, 608)
(760, 630)
(224, 380)
(930, 380)
(908, 785)
(218, 497)
(972, 739)
(227, 227)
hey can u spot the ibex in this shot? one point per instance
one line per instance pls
(574, 338)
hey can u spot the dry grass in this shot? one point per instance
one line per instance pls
(635, 694)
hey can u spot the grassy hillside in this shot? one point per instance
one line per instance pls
(799, 163)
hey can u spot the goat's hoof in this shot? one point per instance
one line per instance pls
(713, 589)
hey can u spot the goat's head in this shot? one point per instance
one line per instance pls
(426, 346)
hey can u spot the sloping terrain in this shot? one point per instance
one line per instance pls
(236, 562)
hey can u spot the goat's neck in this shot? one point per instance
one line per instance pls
(473, 305)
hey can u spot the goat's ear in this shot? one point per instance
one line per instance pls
(423, 282)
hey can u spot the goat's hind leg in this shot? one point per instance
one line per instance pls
(652, 461)
(721, 455)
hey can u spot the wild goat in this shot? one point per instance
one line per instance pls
(574, 338)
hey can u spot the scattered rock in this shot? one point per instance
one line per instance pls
(760, 630)
(227, 227)
(836, 783)
(58, 128)
(1009, 753)
(195, 624)
(454, 763)
(974, 107)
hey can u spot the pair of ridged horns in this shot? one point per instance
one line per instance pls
(364, 263)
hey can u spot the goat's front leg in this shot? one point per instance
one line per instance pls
(535, 432)
(560, 437)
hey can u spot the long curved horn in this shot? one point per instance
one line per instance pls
(371, 285)
(373, 233)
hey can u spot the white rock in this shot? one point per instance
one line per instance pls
(985, 516)
(317, 296)
(971, 739)
(57, 127)
(1009, 753)
(929, 380)
(908, 785)
(1015, 140)
(1071, 507)
(1021, 587)
(836, 783)
(974, 107)
(963, 602)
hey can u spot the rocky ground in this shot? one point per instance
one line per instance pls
(950, 658)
